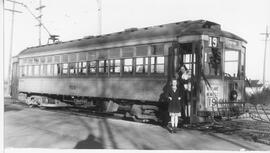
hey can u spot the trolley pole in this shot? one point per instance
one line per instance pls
(265, 50)
(13, 11)
(99, 17)
(51, 37)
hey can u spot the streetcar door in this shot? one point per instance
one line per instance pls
(188, 56)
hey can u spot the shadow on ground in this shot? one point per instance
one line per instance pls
(11, 108)
(92, 142)
(89, 143)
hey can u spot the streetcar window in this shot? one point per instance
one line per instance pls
(128, 65)
(30, 60)
(22, 71)
(36, 60)
(72, 58)
(114, 53)
(157, 64)
(30, 70)
(115, 66)
(25, 61)
(127, 52)
(242, 59)
(57, 59)
(213, 62)
(142, 51)
(65, 58)
(65, 68)
(57, 69)
(82, 56)
(188, 62)
(43, 70)
(231, 62)
(49, 59)
(242, 67)
(72, 68)
(49, 69)
(103, 54)
(142, 65)
(25, 71)
(103, 66)
(91, 56)
(36, 70)
(157, 49)
(42, 59)
(82, 68)
(92, 66)
(20, 62)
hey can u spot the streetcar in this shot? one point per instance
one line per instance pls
(130, 70)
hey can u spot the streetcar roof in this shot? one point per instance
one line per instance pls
(197, 27)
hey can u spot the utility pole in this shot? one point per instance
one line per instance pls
(265, 50)
(13, 11)
(40, 20)
(99, 17)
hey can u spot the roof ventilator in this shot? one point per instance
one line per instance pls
(211, 25)
(131, 29)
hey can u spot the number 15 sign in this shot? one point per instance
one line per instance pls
(213, 42)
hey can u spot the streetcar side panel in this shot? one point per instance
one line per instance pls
(145, 89)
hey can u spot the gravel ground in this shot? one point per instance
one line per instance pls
(35, 128)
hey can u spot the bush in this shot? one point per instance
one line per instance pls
(262, 97)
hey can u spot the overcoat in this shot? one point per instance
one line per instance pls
(175, 104)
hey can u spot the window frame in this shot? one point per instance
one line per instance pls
(123, 67)
(75, 68)
(64, 67)
(51, 72)
(57, 69)
(81, 67)
(145, 65)
(30, 71)
(113, 66)
(23, 70)
(105, 67)
(43, 70)
(191, 62)
(36, 70)
(157, 64)
(89, 67)
(237, 61)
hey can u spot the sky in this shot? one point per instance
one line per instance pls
(74, 19)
